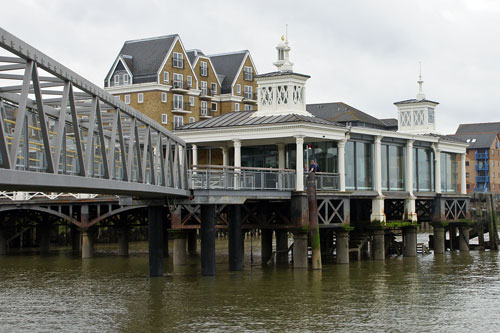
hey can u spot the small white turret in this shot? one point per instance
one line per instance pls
(283, 64)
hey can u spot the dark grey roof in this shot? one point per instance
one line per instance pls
(478, 128)
(476, 140)
(413, 101)
(145, 56)
(390, 122)
(244, 118)
(227, 64)
(341, 112)
(279, 73)
(192, 54)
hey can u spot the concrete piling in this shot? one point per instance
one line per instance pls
(378, 247)
(439, 234)
(208, 240)
(300, 250)
(155, 231)
(463, 238)
(410, 242)
(235, 239)
(342, 247)
(281, 246)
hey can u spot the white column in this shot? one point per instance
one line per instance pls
(377, 167)
(181, 154)
(437, 169)
(195, 155)
(299, 164)
(237, 162)
(281, 156)
(463, 180)
(410, 201)
(341, 166)
(225, 156)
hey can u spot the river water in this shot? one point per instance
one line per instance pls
(454, 292)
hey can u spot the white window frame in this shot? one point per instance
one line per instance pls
(178, 60)
(204, 89)
(248, 92)
(247, 73)
(238, 89)
(191, 100)
(164, 118)
(214, 109)
(236, 107)
(248, 107)
(178, 98)
(213, 90)
(140, 98)
(178, 121)
(163, 97)
(204, 108)
(176, 80)
(117, 80)
(192, 120)
(166, 77)
(189, 81)
(203, 68)
(127, 99)
(126, 78)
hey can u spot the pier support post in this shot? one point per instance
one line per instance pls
(410, 242)
(452, 232)
(155, 233)
(463, 239)
(235, 239)
(44, 234)
(87, 244)
(300, 250)
(378, 245)
(281, 246)
(208, 240)
(165, 242)
(342, 246)
(378, 214)
(123, 241)
(266, 241)
(192, 242)
(3, 243)
(180, 254)
(76, 239)
(439, 246)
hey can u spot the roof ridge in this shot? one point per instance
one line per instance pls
(150, 38)
(225, 53)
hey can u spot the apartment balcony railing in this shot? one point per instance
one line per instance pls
(207, 93)
(250, 96)
(182, 85)
(325, 181)
(482, 179)
(179, 107)
(207, 113)
(212, 177)
(481, 156)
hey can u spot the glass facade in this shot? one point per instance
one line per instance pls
(324, 153)
(393, 167)
(423, 170)
(260, 157)
(449, 172)
(359, 165)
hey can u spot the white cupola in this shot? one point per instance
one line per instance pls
(282, 92)
(417, 116)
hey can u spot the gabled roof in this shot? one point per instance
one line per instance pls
(413, 101)
(145, 56)
(477, 140)
(280, 73)
(478, 128)
(341, 112)
(390, 122)
(228, 65)
(193, 54)
(244, 118)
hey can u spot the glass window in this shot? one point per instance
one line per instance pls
(248, 107)
(236, 106)
(448, 172)
(248, 73)
(363, 166)
(189, 81)
(191, 100)
(166, 77)
(248, 92)
(204, 87)
(127, 99)
(164, 97)
(238, 89)
(178, 101)
(178, 78)
(126, 78)
(260, 157)
(203, 68)
(140, 97)
(178, 121)
(178, 60)
(191, 120)
(117, 79)
(203, 108)
(349, 165)
(396, 167)
(423, 170)
(213, 88)
(164, 118)
(214, 106)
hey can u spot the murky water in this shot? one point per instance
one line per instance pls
(452, 293)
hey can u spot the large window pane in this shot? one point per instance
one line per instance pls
(363, 166)
(349, 165)
(385, 169)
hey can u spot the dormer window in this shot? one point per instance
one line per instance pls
(248, 73)
(117, 80)
(126, 79)
(203, 68)
(178, 60)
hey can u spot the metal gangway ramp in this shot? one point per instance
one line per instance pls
(61, 133)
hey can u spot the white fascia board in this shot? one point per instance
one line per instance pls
(262, 133)
(186, 59)
(392, 134)
(113, 68)
(211, 65)
(451, 147)
(230, 98)
(283, 78)
(140, 87)
(239, 70)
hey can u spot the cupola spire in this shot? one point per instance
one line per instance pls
(420, 95)
(283, 63)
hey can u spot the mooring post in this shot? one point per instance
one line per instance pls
(410, 242)
(266, 241)
(192, 242)
(281, 246)
(378, 245)
(313, 221)
(208, 240)
(439, 246)
(86, 241)
(180, 254)
(463, 238)
(155, 234)
(300, 249)
(493, 222)
(235, 239)
(342, 246)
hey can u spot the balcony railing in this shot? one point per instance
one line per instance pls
(325, 181)
(211, 177)
(185, 85)
(251, 96)
(207, 112)
(482, 167)
(181, 106)
(481, 156)
(207, 93)
(482, 179)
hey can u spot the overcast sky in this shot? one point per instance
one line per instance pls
(363, 53)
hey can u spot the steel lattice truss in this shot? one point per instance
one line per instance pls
(59, 132)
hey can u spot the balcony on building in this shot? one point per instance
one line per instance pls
(207, 113)
(482, 179)
(178, 107)
(482, 166)
(181, 86)
(207, 93)
(250, 97)
(482, 156)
